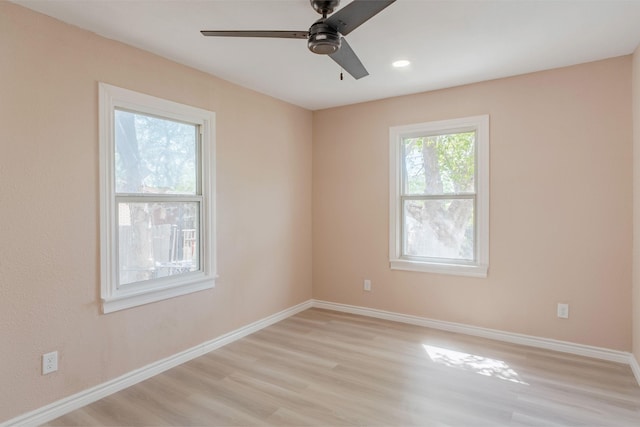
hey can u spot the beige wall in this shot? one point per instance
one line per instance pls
(561, 206)
(561, 210)
(49, 260)
(636, 203)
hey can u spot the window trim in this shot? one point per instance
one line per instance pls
(116, 297)
(480, 266)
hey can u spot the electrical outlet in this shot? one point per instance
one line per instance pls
(49, 362)
(367, 285)
(563, 311)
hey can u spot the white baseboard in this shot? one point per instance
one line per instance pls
(78, 400)
(635, 367)
(546, 343)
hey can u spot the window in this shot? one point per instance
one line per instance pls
(156, 198)
(439, 197)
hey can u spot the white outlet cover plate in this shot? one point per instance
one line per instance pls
(49, 362)
(563, 311)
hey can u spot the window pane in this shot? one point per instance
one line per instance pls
(157, 240)
(439, 228)
(440, 164)
(154, 155)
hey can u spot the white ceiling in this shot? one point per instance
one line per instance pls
(449, 42)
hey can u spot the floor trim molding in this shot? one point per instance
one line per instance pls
(61, 407)
(546, 343)
(56, 409)
(635, 367)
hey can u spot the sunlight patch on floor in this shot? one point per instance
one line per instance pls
(471, 362)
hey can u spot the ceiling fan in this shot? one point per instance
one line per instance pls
(325, 35)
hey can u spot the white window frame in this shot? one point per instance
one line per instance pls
(480, 265)
(115, 297)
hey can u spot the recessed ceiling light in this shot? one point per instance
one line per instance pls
(401, 63)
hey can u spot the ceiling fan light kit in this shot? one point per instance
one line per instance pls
(325, 37)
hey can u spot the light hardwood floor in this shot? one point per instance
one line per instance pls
(334, 369)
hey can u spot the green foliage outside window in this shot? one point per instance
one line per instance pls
(439, 185)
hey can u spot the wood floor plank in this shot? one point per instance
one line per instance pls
(324, 368)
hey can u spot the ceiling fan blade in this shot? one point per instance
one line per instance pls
(272, 34)
(355, 14)
(349, 61)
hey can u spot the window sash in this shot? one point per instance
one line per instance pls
(120, 198)
(149, 199)
(197, 127)
(403, 160)
(404, 229)
(405, 195)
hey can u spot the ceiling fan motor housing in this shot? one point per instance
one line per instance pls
(323, 39)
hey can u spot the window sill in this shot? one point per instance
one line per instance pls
(122, 302)
(471, 270)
